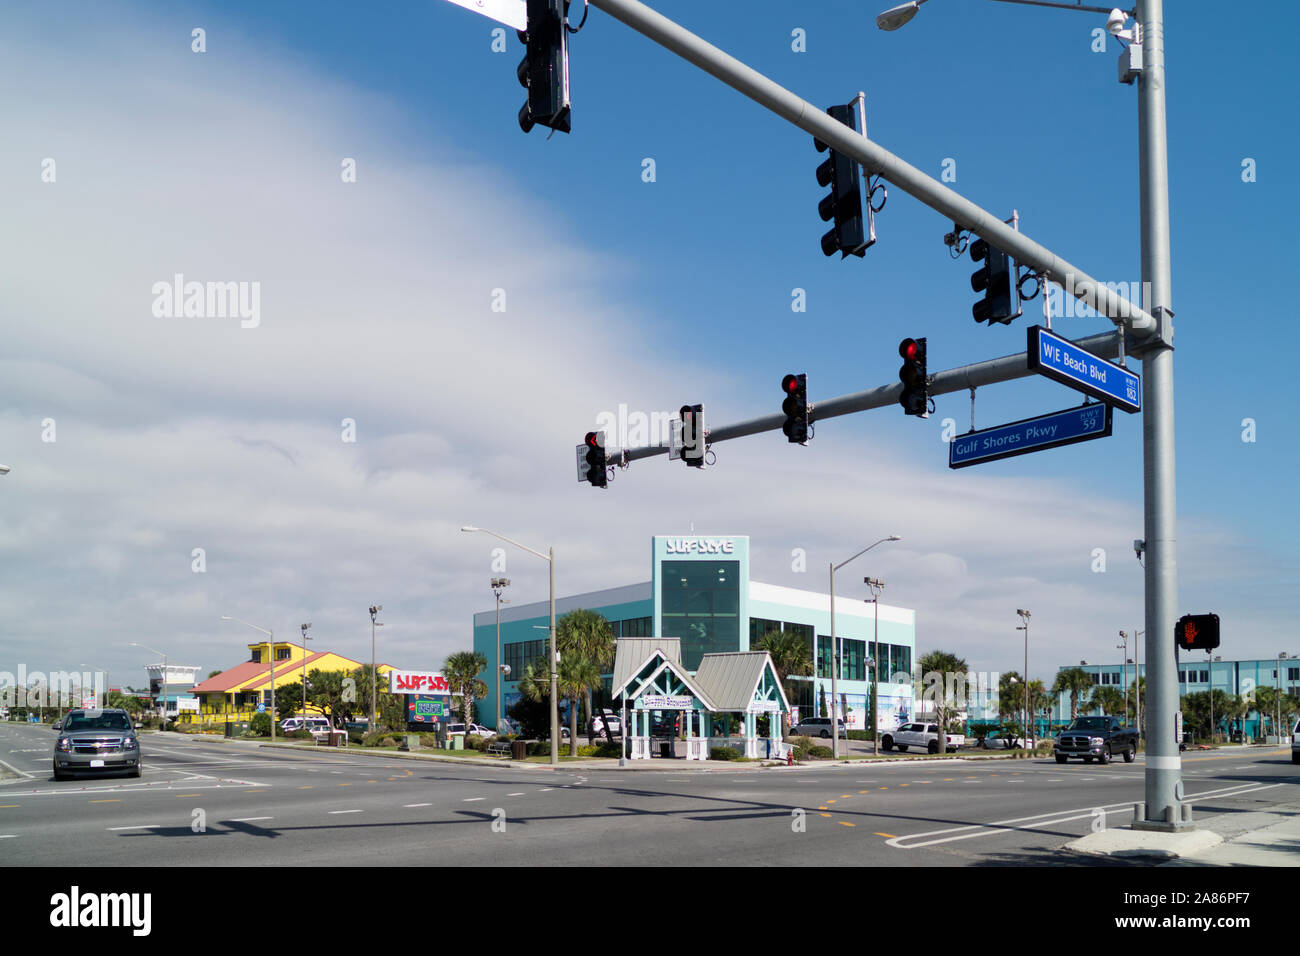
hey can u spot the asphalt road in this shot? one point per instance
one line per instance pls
(213, 803)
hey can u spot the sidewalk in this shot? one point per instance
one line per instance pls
(1258, 838)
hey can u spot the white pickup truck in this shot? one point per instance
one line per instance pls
(920, 737)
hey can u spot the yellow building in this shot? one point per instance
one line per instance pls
(234, 695)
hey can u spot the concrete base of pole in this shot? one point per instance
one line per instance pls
(1178, 819)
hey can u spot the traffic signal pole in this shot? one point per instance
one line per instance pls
(1152, 342)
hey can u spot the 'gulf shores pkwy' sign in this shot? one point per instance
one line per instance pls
(700, 546)
(417, 682)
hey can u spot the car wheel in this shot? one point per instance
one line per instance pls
(932, 747)
(887, 743)
(1130, 755)
(1295, 757)
(59, 774)
(139, 769)
(1061, 758)
(826, 735)
(1105, 756)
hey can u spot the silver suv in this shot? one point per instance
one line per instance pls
(96, 741)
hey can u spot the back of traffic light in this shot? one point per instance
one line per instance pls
(544, 70)
(915, 396)
(996, 279)
(693, 435)
(795, 408)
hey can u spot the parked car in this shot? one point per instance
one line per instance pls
(96, 741)
(920, 737)
(1295, 743)
(992, 742)
(600, 720)
(1096, 738)
(481, 731)
(817, 727)
(317, 725)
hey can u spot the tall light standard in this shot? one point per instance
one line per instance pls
(835, 648)
(498, 585)
(1144, 63)
(1024, 626)
(164, 657)
(305, 639)
(1277, 698)
(549, 557)
(374, 681)
(1124, 672)
(271, 641)
(877, 586)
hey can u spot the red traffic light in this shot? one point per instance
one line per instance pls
(593, 440)
(790, 383)
(908, 349)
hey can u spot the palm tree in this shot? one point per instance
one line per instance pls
(1074, 681)
(576, 676)
(1106, 700)
(790, 655)
(586, 635)
(461, 670)
(949, 669)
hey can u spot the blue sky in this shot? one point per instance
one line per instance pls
(224, 165)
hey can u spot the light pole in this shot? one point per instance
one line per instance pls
(271, 639)
(305, 639)
(549, 557)
(835, 648)
(1163, 775)
(164, 657)
(374, 681)
(1124, 672)
(877, 586)
(1024, 626)
(498, 585)
(1277, 698)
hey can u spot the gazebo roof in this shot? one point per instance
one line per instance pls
(731, 679)
(631, 654)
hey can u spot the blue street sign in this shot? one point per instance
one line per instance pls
(1081, 423)
(1063, 361)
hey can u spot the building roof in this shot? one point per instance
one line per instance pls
(631, 654)
(227, 680)
(253, 675)
(731, 679)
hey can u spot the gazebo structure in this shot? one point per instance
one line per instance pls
(650, 680)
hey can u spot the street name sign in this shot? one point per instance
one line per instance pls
(513, 13)
(1081, 423)
(1062, 361)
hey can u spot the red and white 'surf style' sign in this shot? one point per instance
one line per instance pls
(417, 682)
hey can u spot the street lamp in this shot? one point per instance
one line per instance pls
(549, 557)
(1124, 672)
(1024, 626)
(876, 585)
(835, 648)
(305, 639)
(498, 585)
(271, 637)
(374, 681)
(895, 17)
(164, 657)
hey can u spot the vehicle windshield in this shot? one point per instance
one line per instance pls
(1090, 723)
(75, 722)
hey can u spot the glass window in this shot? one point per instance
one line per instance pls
(700, 602)
(758, 626)
(853, 659)
(823, 656)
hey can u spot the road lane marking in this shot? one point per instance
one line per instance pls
(845, 823)
(519, 794)
(105, 801)
(890, 835)
(410, 805)
(249, 819)
(472, 799)
(826, 814)
(332, 812)
(142, 826)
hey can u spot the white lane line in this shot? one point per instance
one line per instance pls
(8, 836)
(1005, 826)
(546, 790)
(249, 819)
(346, 811)
(472, 799)
(408, 806)
(143, 826)
(519, 794)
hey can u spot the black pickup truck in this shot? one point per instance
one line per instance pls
(1096, 738)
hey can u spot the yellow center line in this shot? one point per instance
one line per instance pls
(904, 784)
(864, 791)
(823, 808)
(308, 787)
(845, 796)
(947, 779)
(345, 784)
(9, 806)
(830, 801)
(826, 814)
(252, 791)
(105, 801)
(182, 795)
(372, 781)
(845, 823)
(890, 835)
(884, 788)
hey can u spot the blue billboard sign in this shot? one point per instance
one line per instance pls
(1073, 425)
(1062, 361)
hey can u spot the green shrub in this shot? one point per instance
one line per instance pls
(800, 755)
(803, 743)
(860, 735)
(539, 748)
(378, 738)
(355, 737)
(820, 753)
(428, 740)
(724, 753)
(260, 726)
(302, 734)
(475, 742)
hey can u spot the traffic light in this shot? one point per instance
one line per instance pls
(1197, 632)
(693, 435)
(844, 204)
(914, 397)
(1001, 302)
(795, 407)
(544, 70)
(596, 476)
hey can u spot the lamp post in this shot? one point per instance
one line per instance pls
(498, 585)
(1144, 63)
(305, 639)
(877, 586)
(1277, 698)
(271, 641)
(1124, 672)
(549, 557)
(835, 648)
(374, 681)
(1024, 626)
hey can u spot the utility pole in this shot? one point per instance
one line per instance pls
(374, 681)
(1024, 626)
(498, 585)
(305, 639)
(877, 586)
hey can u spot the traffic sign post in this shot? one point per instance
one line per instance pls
(1082, 423)
(1062, 361)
